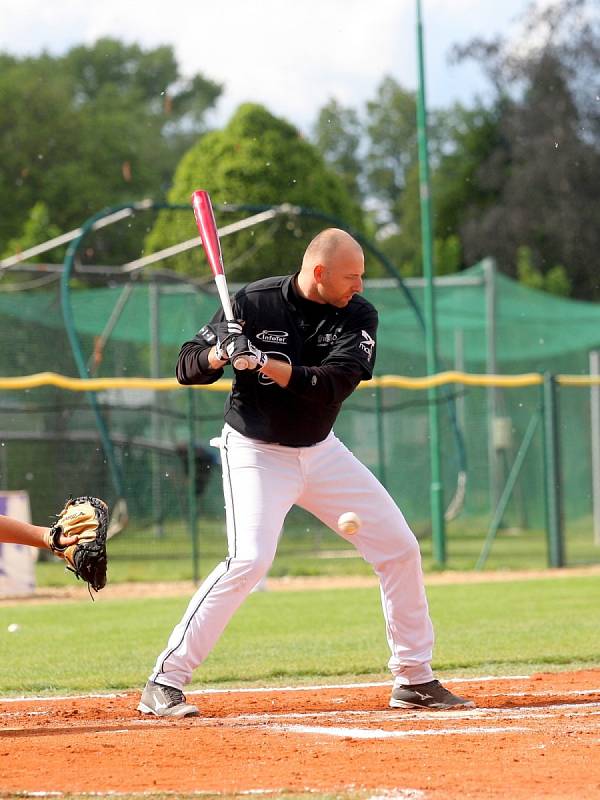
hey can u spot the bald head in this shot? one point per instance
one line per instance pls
(326, 245)
(332, 268)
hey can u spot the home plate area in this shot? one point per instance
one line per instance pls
(530, 736)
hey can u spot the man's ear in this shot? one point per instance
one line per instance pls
(318, 272)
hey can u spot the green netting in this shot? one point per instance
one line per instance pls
(533, 329)
(50, 440)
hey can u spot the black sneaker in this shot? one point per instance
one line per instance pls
(427, 695)
(165, 701)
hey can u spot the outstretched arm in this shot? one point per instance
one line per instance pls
(14, 531)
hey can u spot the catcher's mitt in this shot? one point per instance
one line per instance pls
(86, 518)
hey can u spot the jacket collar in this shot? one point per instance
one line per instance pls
(287, 290)
(290, 294)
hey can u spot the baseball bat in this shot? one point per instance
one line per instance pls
(207, 228)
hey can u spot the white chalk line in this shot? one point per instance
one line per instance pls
(520, 712)
(399, 794)
(379, 733)
(384, 794)
(516, 712)
(168, 793)
(304, 688)
(252, 690)
(570, 692)
(318, 730)
(577, 713)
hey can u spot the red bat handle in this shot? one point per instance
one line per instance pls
(207, 227)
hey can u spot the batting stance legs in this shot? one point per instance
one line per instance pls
(261, 483)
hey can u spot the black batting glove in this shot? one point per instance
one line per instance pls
(226, 333)
(244, 355)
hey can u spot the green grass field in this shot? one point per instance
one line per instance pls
(302, 636)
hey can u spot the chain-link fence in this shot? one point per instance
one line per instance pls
(138, 442)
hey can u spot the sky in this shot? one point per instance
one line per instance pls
(293, 57)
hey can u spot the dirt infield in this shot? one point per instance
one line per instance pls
(127, 591)
(533, 737)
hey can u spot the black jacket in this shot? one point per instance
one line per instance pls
(330, 349)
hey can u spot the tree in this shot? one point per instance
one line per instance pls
(98, 126)
(555, 281)
(375, 153)
(388, 174)
(545, 168)
(519, 171)
(37, 228)
(470, 137)
(460, 139)
(257, 159)
(148, 79)
(338, 134)
(392, 146)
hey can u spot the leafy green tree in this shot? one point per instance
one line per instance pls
(372, 153)
(97, 126)
(257, 159)
(338, 134)
(150, 80)
(389, 171)
(460, 139)
(459, 187)
(392, 146)
(545, 168)
(527, 272)
(402, 241)
(447, 255)
(521, 170)
(403, 246)
(37, 228)
(555, 281)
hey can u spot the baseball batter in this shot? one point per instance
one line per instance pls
(309, 338)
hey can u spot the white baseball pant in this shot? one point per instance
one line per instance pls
(261, 483)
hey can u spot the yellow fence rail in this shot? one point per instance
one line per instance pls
(384, 381)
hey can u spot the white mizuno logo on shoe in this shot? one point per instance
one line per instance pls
(424, 696)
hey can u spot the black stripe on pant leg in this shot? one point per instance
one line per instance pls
(192, 615)
(227, 474)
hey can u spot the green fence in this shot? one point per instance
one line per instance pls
(172, 486)
(493, 437)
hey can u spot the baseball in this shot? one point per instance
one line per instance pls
(349, 523)
(13, 627)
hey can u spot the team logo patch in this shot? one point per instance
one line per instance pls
(207, 334)
(367, 344)
(325, 339)
(277, 337)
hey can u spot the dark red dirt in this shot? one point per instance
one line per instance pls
(537, 737)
